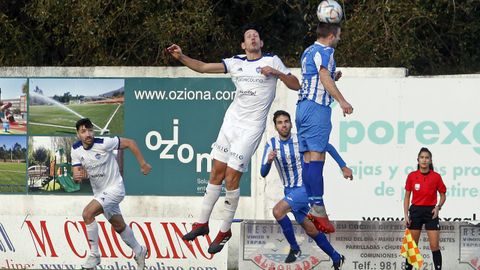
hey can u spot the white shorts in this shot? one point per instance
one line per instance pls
(110, 201)
(236, 146)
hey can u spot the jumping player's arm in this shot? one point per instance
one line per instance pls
(347, 172)
(195, 64)
(291, 81)
(132, 145)
(282, 72)
(332, 89)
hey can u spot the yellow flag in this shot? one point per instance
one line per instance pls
(410, 250)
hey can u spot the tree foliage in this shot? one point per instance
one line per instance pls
(426, 36)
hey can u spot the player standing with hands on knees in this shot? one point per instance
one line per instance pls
(424, 183)
(97, 157)
(255, 77)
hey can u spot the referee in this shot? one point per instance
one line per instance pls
(424, 183)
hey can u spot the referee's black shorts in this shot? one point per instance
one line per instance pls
(420, 215)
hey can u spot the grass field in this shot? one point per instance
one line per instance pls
(52, 115)
(13, 177)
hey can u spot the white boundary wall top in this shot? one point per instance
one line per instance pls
(105, 71)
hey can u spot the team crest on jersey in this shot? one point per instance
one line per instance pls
(417, 187)
(259, 69)
(98, 156)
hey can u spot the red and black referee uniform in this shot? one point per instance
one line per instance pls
(424, 188)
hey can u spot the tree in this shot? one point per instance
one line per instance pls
(426, 36)
(41, 156)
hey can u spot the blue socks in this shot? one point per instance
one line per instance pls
(305, 167)
(287, 229)
(323, 243)
(315, 182)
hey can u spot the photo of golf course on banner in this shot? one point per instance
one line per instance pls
(13, 105)
(55, 104)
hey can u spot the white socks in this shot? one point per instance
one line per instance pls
(212, 193)
(129, 239)
(92, 233)
(231, 202)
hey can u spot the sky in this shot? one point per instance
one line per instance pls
(9, 141)
(86, 87)
(42, 141)
(12, 88)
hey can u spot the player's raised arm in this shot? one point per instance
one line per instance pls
(195, 64)
(132, 145)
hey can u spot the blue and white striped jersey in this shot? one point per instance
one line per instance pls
(288, 160)
(314, 57)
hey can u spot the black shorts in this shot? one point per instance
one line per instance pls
(420, 215)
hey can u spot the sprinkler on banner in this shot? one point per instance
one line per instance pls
(104, 131)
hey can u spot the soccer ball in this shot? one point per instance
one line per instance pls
(329, 11)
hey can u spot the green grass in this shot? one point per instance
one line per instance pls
(98, 113)
(13, 177)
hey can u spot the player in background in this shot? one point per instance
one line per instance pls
(424, 183)
(97, 157)
(313, 115)
(255, 77)
(283, 150)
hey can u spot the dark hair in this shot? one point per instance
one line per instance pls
(278, 113)
(325, 29)
(424, 149)
(84, 122)
(250, 26)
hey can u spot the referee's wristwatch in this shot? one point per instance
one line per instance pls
(439, 207)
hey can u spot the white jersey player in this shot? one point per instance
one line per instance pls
(255, 77)
(96, 156)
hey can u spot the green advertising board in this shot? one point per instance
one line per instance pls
(175, 121)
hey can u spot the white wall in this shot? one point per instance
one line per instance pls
(377, 94)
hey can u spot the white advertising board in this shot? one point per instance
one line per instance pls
(60, 242)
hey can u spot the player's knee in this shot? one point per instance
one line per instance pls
(88, 216)
(119, 228)
(216, 177)
(277, 213)
(311, 231)
(434, 246)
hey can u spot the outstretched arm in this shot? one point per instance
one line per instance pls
(332, 89)
(132, 145)
(195, 64)
(346, 171)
